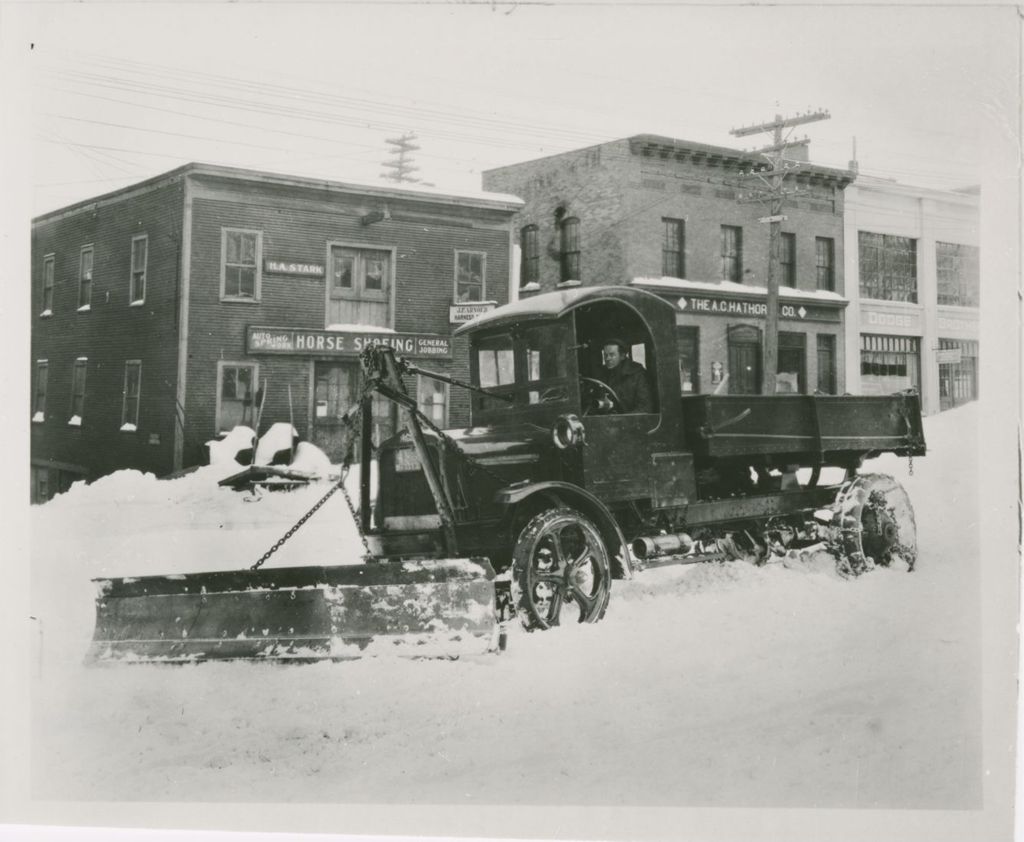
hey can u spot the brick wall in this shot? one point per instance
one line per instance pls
(587, 184)
(299, 225)
(621, 199)
(110, 332)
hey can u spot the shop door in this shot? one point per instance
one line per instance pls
(744, 360)
(336, 392)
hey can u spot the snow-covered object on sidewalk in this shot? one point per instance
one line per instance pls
(226, 450)
(276, 445)
(311, 460)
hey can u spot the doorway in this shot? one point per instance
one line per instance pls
(336, 391)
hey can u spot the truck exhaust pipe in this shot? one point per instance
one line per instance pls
(653, 546)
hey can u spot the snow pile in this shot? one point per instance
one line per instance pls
(280, 439)
(225, 450)
(310, 459)
(705, 685)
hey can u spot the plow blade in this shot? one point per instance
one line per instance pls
(423, 608)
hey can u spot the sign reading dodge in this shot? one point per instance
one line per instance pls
(342, 343)
(700, 305)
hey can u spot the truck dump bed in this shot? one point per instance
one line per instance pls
(808, 428)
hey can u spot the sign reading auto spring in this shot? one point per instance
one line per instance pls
(320, 343)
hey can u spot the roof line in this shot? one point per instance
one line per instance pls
(499, 201)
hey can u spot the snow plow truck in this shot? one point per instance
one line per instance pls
(551, 494)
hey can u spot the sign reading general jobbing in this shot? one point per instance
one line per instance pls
(338, 343)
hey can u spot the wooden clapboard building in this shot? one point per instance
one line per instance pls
(160, 310)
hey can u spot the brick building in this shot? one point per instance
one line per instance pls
(669, 215)
(161, 310)
(914, 269)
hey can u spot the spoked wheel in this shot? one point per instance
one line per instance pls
(560, 560)
(874, 525)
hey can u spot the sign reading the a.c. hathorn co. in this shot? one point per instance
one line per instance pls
(291, 267)
(342, 343)
(714, 305)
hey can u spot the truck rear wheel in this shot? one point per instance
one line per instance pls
(874, 524)
(559, 560)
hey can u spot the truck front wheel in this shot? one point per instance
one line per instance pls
(559, 560)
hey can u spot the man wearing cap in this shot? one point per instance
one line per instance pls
(628, 379)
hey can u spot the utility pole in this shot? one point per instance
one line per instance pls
(772, 190)
(401, 166)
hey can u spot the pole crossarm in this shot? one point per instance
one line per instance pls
(782, 147)
(780, 123)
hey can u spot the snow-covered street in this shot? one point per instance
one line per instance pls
(710, 685)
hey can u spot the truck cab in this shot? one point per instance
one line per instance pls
(540, 361)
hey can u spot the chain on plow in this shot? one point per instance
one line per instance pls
(340, 485)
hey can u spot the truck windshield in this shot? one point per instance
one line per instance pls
(524, 366)
(495, 360)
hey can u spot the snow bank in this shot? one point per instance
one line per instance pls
(706, 685)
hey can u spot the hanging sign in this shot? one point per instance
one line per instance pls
(342, 343)
(466, 312)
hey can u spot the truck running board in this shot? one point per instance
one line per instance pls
(420, 608)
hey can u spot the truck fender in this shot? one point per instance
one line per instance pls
(557, 493)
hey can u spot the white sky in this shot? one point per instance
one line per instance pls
(117, 92)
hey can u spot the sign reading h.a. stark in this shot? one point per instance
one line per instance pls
(342, 343)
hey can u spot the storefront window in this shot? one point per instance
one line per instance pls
(235, 404)
(958, 378)
(889, 364)
(432, 399)
(791, 374)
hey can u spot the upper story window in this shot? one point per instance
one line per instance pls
(85, 262)
(529, 266)
(137, 282)
(732, 253)
(569, 230)
(825, 257)
(240, 264)
(39, 399)
(957, 268)
(470, 275)
(130, 398)
(78, 390)
(673, 246)
(888, 267)
(787, 259)
(48, 263)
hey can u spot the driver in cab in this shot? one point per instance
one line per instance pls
(626, 378)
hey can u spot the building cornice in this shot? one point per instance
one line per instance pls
(668, 148)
